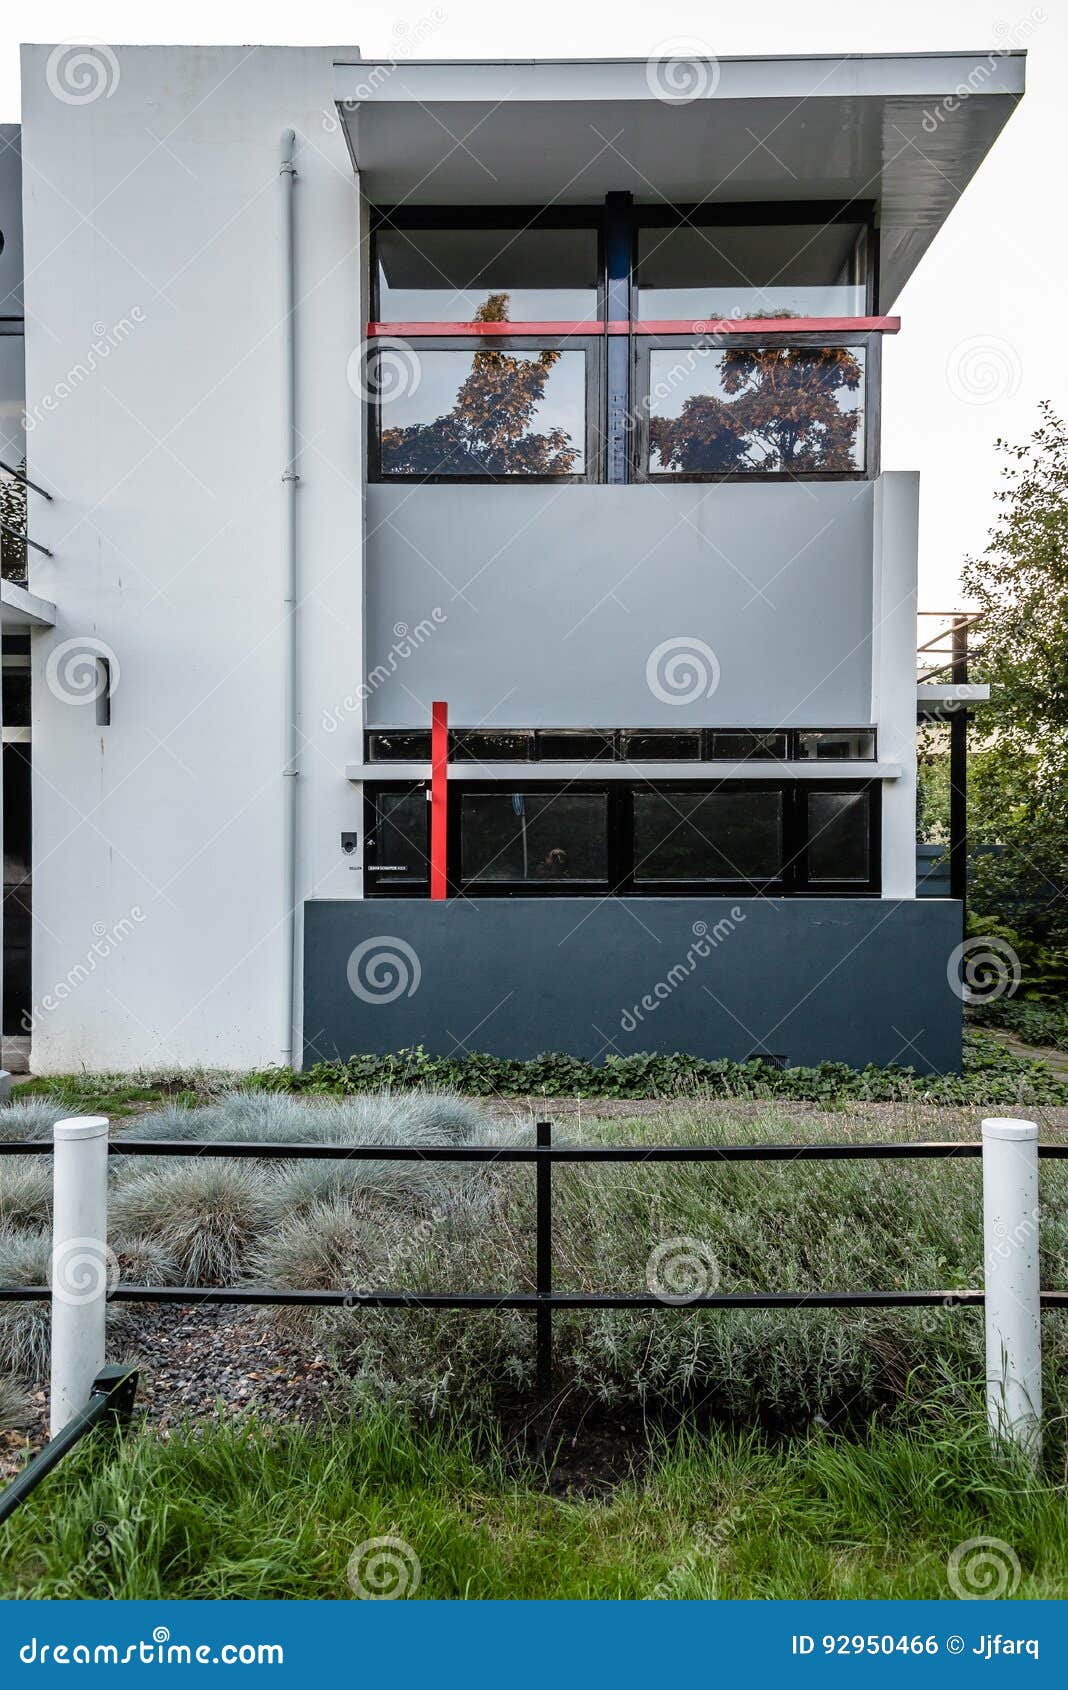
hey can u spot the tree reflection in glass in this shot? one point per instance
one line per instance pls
(491, 428)
(771, 410)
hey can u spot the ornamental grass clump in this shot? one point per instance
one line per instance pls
(206, 1215)
(16, 1410)
(25, 1192)
(25, 1259)
(32, 1119)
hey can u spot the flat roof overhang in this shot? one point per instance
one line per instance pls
(19, 608)
(907, 131)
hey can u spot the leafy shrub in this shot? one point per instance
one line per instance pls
(991, 1075)
(1035, 1023)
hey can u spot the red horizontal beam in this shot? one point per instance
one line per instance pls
(764, 325)
(405, 331)
(703, 326)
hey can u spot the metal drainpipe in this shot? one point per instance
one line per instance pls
(290, 478)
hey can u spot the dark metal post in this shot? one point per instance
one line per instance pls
(958, 774)
(619, 258)
(543, 1267)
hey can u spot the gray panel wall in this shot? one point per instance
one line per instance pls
(554, 598)
(848, 980)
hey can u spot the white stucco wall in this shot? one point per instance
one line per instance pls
(893, 702)
(152, 232)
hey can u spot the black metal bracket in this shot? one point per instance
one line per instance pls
(110, 1404)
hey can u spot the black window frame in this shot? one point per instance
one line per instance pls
(842, 888)
(800, 733)
(620, 881)
(645, 345)
(775, 886)
(616, 739)
(593, 444)
(379, 883)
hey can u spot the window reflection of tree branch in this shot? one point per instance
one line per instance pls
(488, 430)
(782, 411)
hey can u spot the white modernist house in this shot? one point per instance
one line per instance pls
(460, 602)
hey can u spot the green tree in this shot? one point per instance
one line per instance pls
(1019, 779)
(488, 431)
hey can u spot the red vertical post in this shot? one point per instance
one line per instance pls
(439, 798)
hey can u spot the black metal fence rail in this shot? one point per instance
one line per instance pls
(921, 1149)
(543, 1300)
(110, 1402)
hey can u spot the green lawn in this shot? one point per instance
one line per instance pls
(278, 1512)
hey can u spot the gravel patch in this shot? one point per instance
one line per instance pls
(202, 1363)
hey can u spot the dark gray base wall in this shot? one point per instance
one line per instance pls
(846, 980)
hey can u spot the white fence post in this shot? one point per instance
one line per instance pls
(1013, 1306)
(81, 1262)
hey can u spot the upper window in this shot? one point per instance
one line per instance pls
(841, 745)
(511, 369)
(693, 272)
(451, 275)
(625, 745)
(744, 746)
(484, 413)
(756, 410)
(474, 745)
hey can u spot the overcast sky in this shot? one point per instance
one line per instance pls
(976, 352)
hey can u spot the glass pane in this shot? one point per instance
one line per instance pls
(745, 410)
(738, 746)
(734, 835)
(838, 837)
(534, 837)
(844, 745)
(485, 413)
(566, 746)
(653, 747)
(13, 559)
(483, 747)
(401, 849)
(461, 275)
(16, 697)
(413, 747)
(800, 270)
